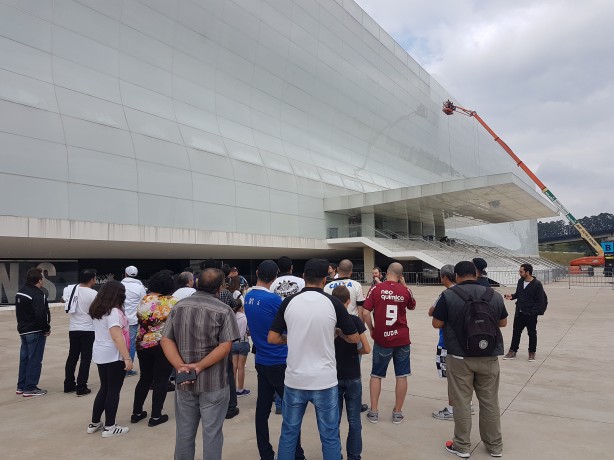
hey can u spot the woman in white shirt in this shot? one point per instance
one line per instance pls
(111, 355)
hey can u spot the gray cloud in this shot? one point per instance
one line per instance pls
(541, 74)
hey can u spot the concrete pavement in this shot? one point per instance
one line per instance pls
(558, 407)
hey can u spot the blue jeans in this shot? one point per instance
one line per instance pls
(399, 357)
(351, 392)
(133, 331)
(327, 415)
(30, 360)
(277, 402)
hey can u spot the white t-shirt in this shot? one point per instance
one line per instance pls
(183, 292)
(242, 323)
(135, 291)
(104, 350)
(287, 285)
(355, 288)
(79, 313)
(310, 318)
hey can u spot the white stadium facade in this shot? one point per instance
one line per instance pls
(160, 133)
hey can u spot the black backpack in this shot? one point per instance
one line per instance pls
(545, 305)
(478, 332)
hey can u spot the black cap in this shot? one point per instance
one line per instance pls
(267, 270)
(479, 263)
(316, 268)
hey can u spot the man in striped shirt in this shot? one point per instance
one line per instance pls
(198, 336)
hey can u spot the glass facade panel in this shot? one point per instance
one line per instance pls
(187, 99)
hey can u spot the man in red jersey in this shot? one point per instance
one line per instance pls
(388, 301)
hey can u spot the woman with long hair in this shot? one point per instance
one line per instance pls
(111, 355)
(152, 314)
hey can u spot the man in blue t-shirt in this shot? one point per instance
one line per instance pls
(261, 306)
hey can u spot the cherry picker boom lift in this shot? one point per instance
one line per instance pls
(598, 260)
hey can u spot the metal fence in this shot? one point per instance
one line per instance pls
(589, 276)
(503, 278)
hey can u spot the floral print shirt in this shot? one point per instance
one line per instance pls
(152, 313)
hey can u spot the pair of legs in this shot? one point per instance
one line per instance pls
(402, 368)
(350, 391)
(155, 369)
(232, 388)
(270, 384)
(107, 399)
(240, 350)
(208, 409)
(31, 360)
(80, 345)
(482, 375)
(326, 403)
(133, 328)
(520, 322)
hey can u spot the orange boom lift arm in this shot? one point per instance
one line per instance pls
(449, 108)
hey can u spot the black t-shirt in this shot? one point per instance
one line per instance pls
(346, 354)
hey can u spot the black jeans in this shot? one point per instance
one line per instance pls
(107, 400)
(232, 387)
(80, 344)
(520, 322)
(155, 369)
(270, 382)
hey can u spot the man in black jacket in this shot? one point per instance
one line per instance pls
(530, 300)
(33, 325)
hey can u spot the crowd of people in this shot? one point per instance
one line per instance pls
(191, 333)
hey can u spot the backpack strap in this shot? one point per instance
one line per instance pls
(488, 293)
(459, 292)
(71, 296)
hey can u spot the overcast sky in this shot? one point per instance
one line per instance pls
(540, 73)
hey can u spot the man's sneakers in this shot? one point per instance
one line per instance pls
(443, 414)
(373, 417)
(510, 355)
(84, 392)
(496, 454)
(232, 412)
(364, 407)
(452, 449)
(531, 356)
(114, 430)
(36, 392)
(93, 427)
(244, 392)
(18, 391)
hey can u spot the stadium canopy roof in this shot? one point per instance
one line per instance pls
(472, 201)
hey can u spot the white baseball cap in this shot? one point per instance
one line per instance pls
(131, 271)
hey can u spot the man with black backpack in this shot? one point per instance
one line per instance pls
(471, 315)
(531, 301)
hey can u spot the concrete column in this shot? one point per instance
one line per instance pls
(367, 222)
(368, 256)
(415, 228)
(440, 227)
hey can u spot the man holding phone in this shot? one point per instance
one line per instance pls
(203, 394)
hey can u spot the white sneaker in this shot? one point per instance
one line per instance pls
(443, 414)
(114, 430)
(93, 427)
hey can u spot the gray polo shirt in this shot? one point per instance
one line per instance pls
(198, 324)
